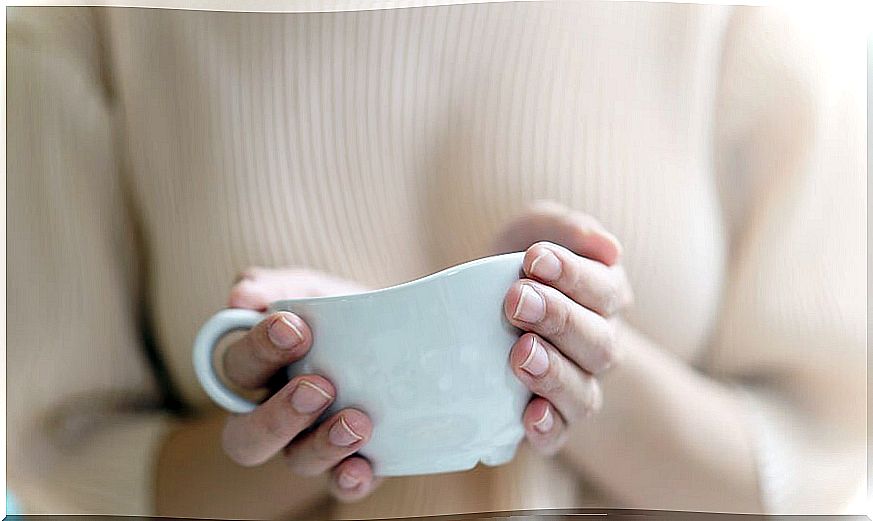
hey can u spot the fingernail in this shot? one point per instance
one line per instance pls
(342, 435)
(347, 482)
(546, 267)
(537, 361)
(284, 334)
(308, 397)
(531, 307)
(544, 424)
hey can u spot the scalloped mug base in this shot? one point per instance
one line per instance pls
(447, 464)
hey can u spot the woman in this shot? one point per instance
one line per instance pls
(156, 155)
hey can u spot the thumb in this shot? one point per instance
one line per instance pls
(553, 222)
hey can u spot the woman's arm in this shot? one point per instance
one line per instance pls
(85, 431)
(83, 418)
(775, 419)
(667, 436)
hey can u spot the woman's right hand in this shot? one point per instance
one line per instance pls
(282, 423)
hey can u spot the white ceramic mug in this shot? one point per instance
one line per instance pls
(427, 360)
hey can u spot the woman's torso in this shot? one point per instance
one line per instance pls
(383, 145)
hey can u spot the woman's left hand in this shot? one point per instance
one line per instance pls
(566, 303)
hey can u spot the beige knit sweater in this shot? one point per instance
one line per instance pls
(153, 154)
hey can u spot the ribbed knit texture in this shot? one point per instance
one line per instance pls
(383, 145)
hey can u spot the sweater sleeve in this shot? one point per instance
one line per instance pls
(81, 437)
(793, 330)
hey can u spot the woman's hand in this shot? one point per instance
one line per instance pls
(573, 287)
(283, 422)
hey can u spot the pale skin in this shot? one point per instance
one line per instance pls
(567, 303)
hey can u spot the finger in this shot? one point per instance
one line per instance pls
(331, 442)
(256, 288)
(252, 289)
(601, 288)
(581, 334)
(353, 479)
(251, 439)
(553, 222)
(278, 340)
(544, 428)
(549, 374)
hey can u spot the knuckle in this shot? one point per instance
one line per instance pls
(249, 293)
(264, 351)
(609, 299)
(604, 345)
(560, 441)
(328, 455)
(299, 469)
(243, 287)
(232, 450)
(573, 278)
(577, 236)
(624, 292)
(325, 453)
(551, 444)
(559, 318)
(300, 462)
(586, 222)
(275, 426)
(583, 224)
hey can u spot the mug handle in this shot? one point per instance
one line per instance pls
(221, 323)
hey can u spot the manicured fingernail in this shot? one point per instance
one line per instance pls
(531, 307)
(342, 435)
(308, 397)
(283, 333)
(544, 424)
(537, 361)
(347, 482)
(546, 267)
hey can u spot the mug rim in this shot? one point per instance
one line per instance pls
(451, 270)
